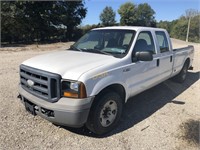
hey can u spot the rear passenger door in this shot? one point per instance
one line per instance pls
(165, 60)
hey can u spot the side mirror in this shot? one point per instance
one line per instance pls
(144, 56)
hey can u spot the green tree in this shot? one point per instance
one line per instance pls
(179, 29)
(141, 15)
(69, 14)
(145, 15)
(37, 18)
(87, 28)
(194, 35)
(164, 25)
(25, 20)
(10, 22)
(30, 20)
(168, 25)
(107, 17)
(127, 13)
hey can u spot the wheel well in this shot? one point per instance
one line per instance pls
(118, 88)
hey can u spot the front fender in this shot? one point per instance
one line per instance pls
(96, 85)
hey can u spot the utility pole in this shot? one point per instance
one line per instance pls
(188, 29)
(190, 13)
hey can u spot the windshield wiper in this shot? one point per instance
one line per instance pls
(72, 47)
(96, 51)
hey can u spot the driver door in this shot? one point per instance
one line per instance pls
(142, 74)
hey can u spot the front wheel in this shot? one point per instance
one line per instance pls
(105, 113)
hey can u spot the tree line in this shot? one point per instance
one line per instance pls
(186, 24)
(184, 28)
(130, 15)
(29, 21)
(34, 21)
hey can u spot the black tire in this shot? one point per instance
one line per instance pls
(101, 120)
(180, 78)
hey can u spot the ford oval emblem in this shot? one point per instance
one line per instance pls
(30, 83)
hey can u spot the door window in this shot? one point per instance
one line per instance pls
(144, 42)
(162, 41)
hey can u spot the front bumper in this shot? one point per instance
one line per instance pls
(66, 111)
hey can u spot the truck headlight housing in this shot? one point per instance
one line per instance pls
(73, 89)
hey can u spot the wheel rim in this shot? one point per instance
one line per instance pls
(108, 113)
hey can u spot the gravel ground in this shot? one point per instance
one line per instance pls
(164, 117)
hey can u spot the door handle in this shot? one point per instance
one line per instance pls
(170, 58)
(158, 62)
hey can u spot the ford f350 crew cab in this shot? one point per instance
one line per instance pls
(89, 83)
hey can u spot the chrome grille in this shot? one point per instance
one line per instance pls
(45, 85)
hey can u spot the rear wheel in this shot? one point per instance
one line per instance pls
(105, 113)
(180, 78)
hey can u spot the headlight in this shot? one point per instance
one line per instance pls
(73, 89)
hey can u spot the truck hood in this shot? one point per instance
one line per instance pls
(69, 64)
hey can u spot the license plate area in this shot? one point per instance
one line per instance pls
(30, 107)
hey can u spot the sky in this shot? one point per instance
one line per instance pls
(164, 9)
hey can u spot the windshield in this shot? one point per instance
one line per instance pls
(111, 42)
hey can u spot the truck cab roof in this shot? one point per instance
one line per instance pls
(135, 28)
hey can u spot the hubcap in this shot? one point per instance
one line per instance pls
(108, 113)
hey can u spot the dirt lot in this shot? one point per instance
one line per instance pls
(164, 117)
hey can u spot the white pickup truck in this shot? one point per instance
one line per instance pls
(89, 83)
